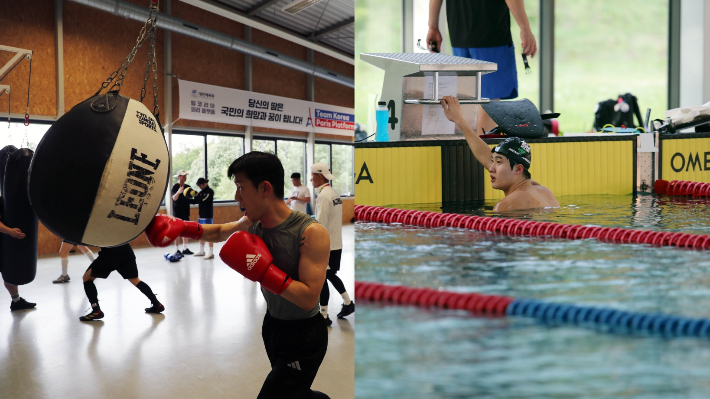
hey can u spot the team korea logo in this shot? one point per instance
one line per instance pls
(251, 260)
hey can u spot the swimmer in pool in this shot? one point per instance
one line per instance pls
(508, 164)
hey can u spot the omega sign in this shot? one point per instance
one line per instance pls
(680, 163)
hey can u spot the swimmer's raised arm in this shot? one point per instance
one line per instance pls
(481, 150)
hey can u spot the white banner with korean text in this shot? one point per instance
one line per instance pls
(209, 103)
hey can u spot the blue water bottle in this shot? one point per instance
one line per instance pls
(382, 116)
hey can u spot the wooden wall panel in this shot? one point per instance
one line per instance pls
(202, 62)
(348, 210)
(327, 92)
(269, 78)
(30, 25)
(95, 45)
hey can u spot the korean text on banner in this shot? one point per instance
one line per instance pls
(239, 107)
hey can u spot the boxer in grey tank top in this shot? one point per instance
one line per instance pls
(287, 238)
(294, 333)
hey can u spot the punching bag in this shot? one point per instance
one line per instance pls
(100, 172)
(4, 153)
(19, 259)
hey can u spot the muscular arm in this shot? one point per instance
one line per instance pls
(314, 254)
(434, 35)
(528, 43)
(481, 150)
(220, 232)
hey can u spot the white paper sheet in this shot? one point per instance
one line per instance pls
(433, 119)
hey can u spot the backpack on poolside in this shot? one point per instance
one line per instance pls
(619, 112)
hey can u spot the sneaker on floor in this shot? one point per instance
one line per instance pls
(187, 251)
(177, 255)
(209, 256)
(201, 253)
(94, 315)
(328, 321)
(64, 278)
(346, 310)
(21, 304)
(159, 308)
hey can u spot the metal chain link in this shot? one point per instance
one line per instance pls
(151, 62)
(147, 31)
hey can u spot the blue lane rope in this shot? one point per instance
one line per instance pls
(614, 319)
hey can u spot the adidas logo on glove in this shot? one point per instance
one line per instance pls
(251, 260)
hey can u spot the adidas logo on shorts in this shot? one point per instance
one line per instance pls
(295, 365)
(251, 260)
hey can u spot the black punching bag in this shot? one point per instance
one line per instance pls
(19, 259)
(4, 153)
(111, 151)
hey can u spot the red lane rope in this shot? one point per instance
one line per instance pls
(529, 227)
(682, 187)
(492, 305)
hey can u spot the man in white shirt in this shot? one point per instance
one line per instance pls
(329, 213)
(300, 195)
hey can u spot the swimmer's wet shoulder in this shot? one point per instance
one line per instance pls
(529, 195)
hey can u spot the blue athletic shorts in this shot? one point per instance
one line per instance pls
(501, 84)
(204, 221)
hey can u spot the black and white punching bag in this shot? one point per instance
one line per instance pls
(19, 258)
(100, 172)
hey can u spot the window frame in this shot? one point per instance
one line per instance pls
(204, 146)
(330, 158)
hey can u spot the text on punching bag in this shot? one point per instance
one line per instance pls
(136, 188)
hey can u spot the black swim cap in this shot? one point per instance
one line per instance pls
(516, 149)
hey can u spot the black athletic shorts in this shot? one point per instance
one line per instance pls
(334, 260)
(296, 349)
(121, 259)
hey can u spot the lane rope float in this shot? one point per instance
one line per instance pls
(614, 320)
(506, 226)
(682, 187)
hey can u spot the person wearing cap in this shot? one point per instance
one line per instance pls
(181, 207)
(205, 201)
(329, 213)
(300, 195)
(508, 164)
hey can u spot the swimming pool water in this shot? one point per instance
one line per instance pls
(407, 352)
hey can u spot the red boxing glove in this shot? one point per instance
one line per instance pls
(247, 254)
(163, 230)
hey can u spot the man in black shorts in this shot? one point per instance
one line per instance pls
(123, 260)
(181, 208)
